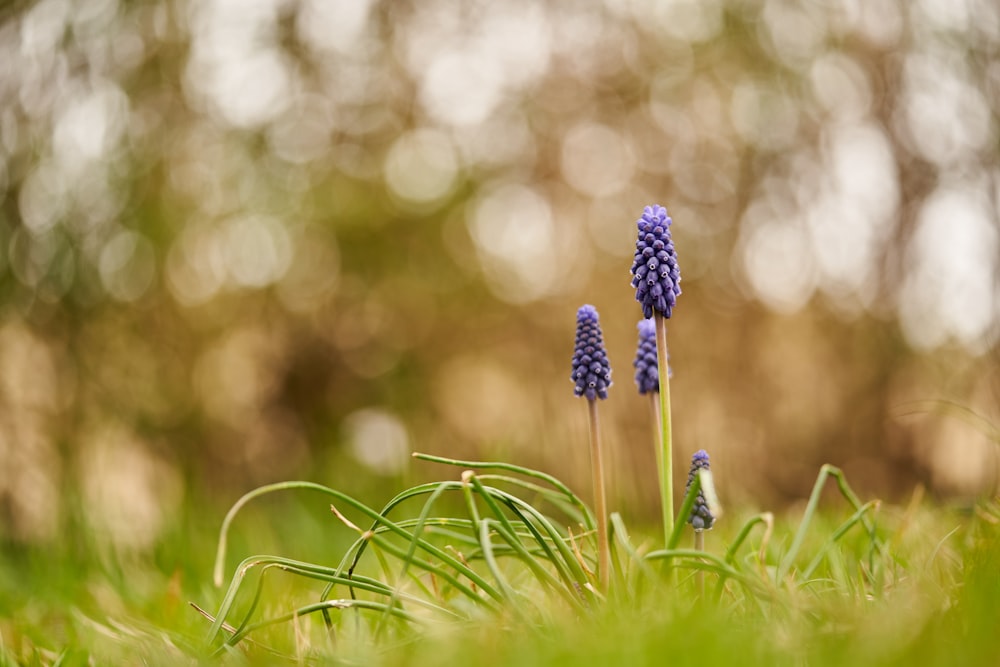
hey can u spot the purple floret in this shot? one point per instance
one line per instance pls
(656, 276)
(701, 517)
(647, 376)
(591, 370)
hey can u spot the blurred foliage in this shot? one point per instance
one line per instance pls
(248, 240)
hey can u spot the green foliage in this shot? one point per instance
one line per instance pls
(494, 568)
(507, 582)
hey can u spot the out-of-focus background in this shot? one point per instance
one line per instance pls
(244, 241)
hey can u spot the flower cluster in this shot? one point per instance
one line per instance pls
(701, 517)
(647, 375)
(656, 276)
(591, 370)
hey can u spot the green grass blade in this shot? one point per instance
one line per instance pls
(317, 572)
(319, 606)
(620, 535)
(703, 560)
(836, 535)
(527, 472)
(678, 527)
(825, 472)
(765, 518)
(554, 497)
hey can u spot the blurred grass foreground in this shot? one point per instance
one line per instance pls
(243, 241)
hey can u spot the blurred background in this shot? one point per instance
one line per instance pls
(244, 241)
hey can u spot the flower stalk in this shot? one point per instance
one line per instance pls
(656, 278)
(705, 506)
(592, 377)
(665, 457)
(600, 498)
(699, 545)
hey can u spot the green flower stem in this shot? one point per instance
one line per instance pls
(699, 545)
(665, 458)
(600, 498)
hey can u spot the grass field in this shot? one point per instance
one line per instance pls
(911, 585)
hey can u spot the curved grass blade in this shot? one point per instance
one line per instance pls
(703, 560)
(837, 534)
(218, 570)
(445, 574)
(620, 535)
(527, 472)
(438, 553)
(491, 562)
(678, 526)
(398, 499)
(555, 498)
(312, 571)
(766, 518)
(825, 472)
(523, 508)
(319, 606)
(220, 557)
(519, 507)
(509, 533)
(544, 576)
(418, 530)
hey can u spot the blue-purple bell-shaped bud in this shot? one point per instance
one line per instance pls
(701, 517)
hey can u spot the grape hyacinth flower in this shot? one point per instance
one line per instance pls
(656, 276)
(592, 377)
(591, 371)
(647, 376)
(701, 516)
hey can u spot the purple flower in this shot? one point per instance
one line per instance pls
(647, 375)
(655, 274)
(591, 370)
(701, 517)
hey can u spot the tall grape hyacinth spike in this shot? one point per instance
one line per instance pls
(592, 377)
(656, 276)
(701, 516)
(591, 371)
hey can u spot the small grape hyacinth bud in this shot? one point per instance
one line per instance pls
(701, 517)
(647, 375)
(591, 370)
(655, 274)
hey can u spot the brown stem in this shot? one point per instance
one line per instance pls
(600, 499)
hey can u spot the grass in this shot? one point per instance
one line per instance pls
(469, 570)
